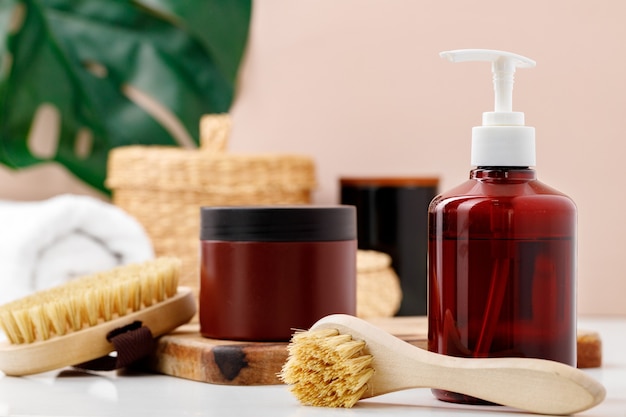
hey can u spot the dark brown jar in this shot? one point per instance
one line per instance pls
(267, 270)
(392, 217)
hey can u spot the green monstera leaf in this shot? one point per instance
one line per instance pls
(91, 75)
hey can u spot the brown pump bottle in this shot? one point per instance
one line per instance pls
(502, 245)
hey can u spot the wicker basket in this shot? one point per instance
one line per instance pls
(378, 287)
(164, 187)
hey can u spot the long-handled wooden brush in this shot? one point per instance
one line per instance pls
(343, 359)
(72, 323)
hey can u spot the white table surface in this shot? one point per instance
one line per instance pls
(69, 393)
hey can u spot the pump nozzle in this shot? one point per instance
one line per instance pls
(503, 68)
(502, 140)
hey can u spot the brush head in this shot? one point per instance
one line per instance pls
(327, 369)
(89, 300)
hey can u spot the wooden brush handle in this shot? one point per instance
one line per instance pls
(534, 385)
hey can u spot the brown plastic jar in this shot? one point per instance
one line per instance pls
(267, 270)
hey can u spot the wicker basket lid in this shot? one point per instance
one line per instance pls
(209, 168)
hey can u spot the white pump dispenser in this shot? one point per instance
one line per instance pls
(502, 140)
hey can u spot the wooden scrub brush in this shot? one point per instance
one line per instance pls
(82, 321)
(343, 359)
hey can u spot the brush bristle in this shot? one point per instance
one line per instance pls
(327, 369)
(89, 300)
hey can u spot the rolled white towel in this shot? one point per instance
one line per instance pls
(49, 242)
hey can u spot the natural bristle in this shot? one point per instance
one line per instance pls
(326, 368)
(89, 300)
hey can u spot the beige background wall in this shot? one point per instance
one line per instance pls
(359, 86)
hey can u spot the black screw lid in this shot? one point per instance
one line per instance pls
(278, 223)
